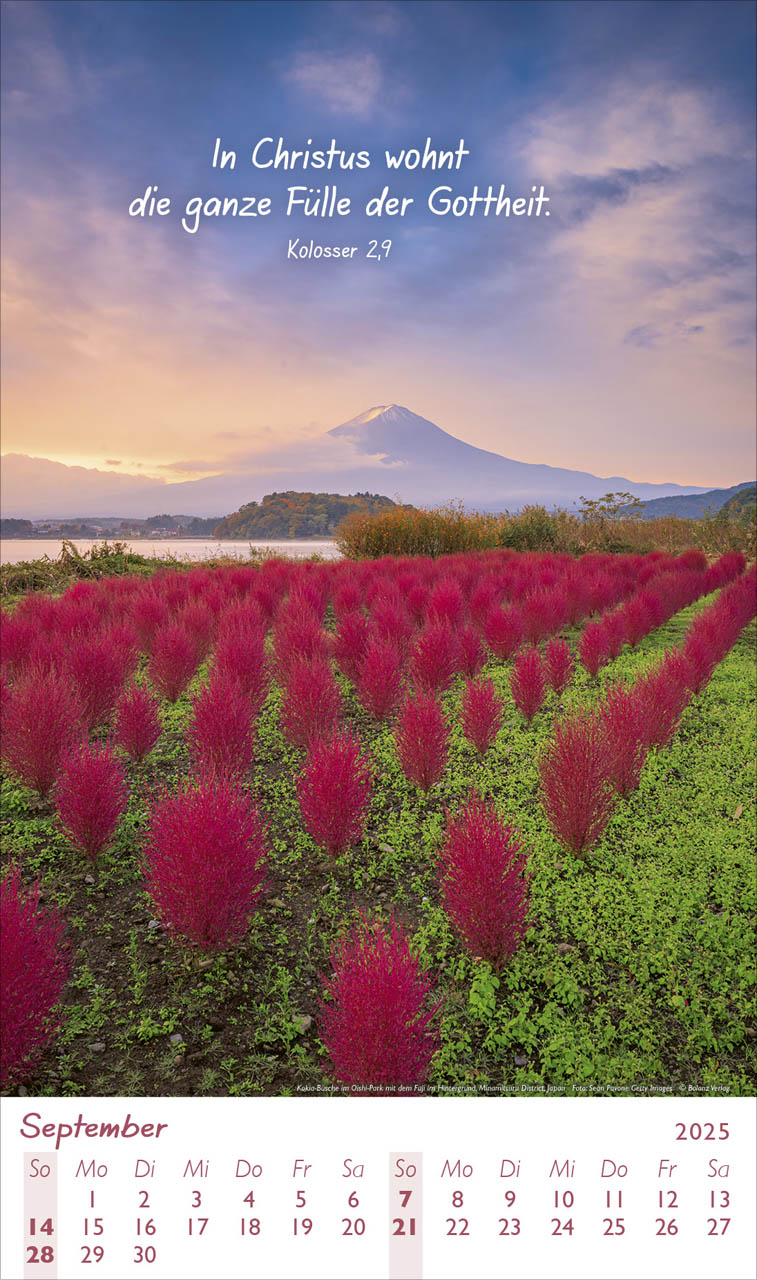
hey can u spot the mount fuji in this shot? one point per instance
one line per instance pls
(387, 449)
(429, 464)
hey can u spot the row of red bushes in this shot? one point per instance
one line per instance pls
(597, 755)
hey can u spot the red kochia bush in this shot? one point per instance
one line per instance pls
(662, 697)
(380, 678)
(624, 727)
(312, 703)
(240, 655)
(204, 862)
(98, 667)
(16, 638)
(90, 798)
(484, 881)
(446, 603)
(221, 733)
(422, 738)
(376, 1022)
(334, 791)
(173, 661)
(42, 721)
(504, 631)
(594, 648)
(540, 614)
(470, 651)
(298, 636)
(481, 714)
(702, 653)
(576, 791)
(638, 619)
(391, 620)
(148, 614)
(350, 641)
(435, 657)
(199, 624)
(528, 682)
(34, 966)
(138, 724)
(558, 661)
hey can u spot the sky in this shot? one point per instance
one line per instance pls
(616, 336)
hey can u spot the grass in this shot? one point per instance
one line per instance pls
(442, 530)
(637, 975)
(54, 574)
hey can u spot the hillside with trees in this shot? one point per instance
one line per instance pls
(299, 515)
(692, 506)
(743, 502)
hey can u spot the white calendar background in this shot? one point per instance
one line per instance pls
(402, 1189)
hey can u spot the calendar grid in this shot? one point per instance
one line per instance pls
(287, 1190)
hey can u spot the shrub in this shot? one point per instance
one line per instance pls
(504, 631)
(98, 668)
(138, 723)
(624, 727)
(702, 657)
(434, 659)
(558, 661)
(528, 683)
(576, 791)
(540, 615)
(593, 649)
(417, 600)
(481, 714)
(350, 642)
(199, 624)
(638, 619)
(204, 862)
(346, 600)
(334, 792)
(312, 703)
(240, 656)
(470, 651)
(124, 641)
(391, 620)
(42, 721)
(484, 598)
(484, 882)
(422, 738)
(298, 637)
(16, 638)
(380, 679)
(662, 697)
(221, 732)
(615, 633)
(34, 967)
(729, 567)
(173, 661)
(376, 1022)
(148, 615)
(90, 798)
(446, 603)
(693, 559)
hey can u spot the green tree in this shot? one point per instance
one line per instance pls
(611, 506)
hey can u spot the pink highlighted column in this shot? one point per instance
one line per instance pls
(406, 1215)
(40, 1215)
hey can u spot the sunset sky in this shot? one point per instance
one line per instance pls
(617, 336)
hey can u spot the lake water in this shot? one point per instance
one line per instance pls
(14, 549)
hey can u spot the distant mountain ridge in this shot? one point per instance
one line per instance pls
(387, 449)
(693, 506)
